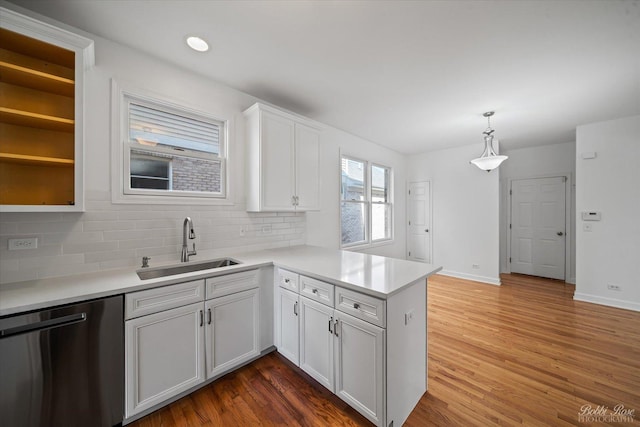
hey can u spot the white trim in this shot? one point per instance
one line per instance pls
(567, 220)
(368, 243)
(406, 220)
(49, 33)
(610, 302)
(120, 93)
(475, 278)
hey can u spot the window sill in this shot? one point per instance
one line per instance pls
(133, 199)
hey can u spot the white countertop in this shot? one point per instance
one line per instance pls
(371, 274)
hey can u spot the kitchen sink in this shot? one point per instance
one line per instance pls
(154, 273)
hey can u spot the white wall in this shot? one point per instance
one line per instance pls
(465, 223)
(323, 227)
(117, 235)
(534, 162)
(610, 184)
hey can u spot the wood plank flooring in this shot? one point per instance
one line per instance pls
(523, 353)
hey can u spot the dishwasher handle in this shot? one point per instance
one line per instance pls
(45, 324)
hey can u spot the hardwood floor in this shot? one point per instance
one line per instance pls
(523, 353)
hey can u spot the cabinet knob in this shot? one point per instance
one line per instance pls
(356, 305)
(560, 233)
(315, 291)
(286, 280)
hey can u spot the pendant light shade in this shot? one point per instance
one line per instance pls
(488, 160)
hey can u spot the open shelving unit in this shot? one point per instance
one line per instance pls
(42, 69)
(37, 122)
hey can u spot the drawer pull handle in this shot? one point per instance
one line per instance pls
(209, 316)
(356, 305)
(335, 328)
(295, 308)
(315, 291)
(201, 318)
(330, 321)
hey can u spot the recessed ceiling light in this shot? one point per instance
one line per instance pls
(196, 43)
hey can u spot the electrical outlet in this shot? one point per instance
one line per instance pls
(242, 231)
(612, 287)
(476, 266)
(408, 317)
(26, 243)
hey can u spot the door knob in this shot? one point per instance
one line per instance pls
(560, 233)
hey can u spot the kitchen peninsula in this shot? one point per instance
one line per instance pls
(373, 334)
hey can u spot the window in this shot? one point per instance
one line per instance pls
(169, 152)
(365, 202)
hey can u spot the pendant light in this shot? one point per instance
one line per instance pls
(489, 160)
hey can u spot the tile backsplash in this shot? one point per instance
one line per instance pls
(109, 236)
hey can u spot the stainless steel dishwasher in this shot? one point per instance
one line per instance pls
(63, 366)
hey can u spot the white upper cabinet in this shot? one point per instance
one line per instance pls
(282, 161)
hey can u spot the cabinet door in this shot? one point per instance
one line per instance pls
(277, 162)
(316, 341)
(307, 167)
(232, 330)
(287, 326)
(360, 366)
(164, 356)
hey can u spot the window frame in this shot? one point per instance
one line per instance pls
(122, 148)
(369, 203)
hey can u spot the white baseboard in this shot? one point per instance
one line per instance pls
(475, 278)
(611, 302)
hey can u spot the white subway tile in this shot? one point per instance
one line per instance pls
(7, 276)
(49, 227)
(67, 270)
(43, 261)
(78, 248)
(109, 255)
(109, 225)
(141, 243)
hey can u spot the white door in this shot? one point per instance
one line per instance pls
(538, 234)
(419, 222)
(307, 168)
(277, 135)
(359, 358)
(231, 331)
(165, 356)
(316, 341)
(288, 326)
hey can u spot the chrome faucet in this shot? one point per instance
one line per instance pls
(186, 253)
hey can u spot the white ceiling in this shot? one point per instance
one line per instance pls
(411, 75)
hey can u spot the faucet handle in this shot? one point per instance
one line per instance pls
(194, 250)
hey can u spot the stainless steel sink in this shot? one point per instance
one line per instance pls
(154, 273)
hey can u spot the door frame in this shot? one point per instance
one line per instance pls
(406, 218)
(567, 218)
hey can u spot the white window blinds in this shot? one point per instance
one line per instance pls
(150, 126)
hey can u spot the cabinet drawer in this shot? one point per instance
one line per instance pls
(365, 307)
(231, 283)
(316, 290)
(287, 280)
(163, 298)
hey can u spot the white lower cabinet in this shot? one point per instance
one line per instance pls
(164, 356)
(287, 325)
(343, 353)
(317, 341)
(360, 366)
(232, 330)
(174, 347)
